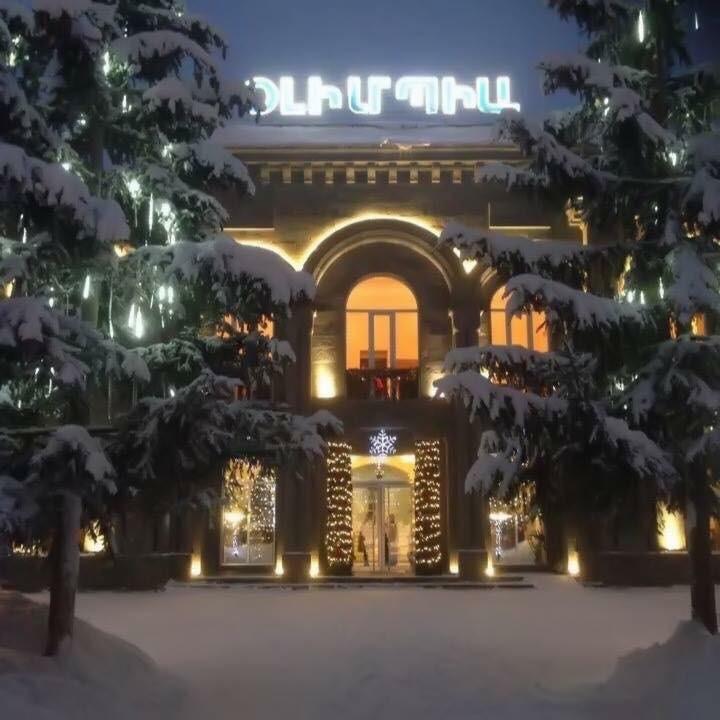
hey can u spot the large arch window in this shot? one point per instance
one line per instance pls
(526, 329)
(382, 325)
(381, 341)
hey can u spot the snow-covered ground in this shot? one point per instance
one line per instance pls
(403, 652)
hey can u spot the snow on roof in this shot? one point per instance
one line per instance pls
(399, 134)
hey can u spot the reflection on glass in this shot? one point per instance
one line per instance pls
(248, 528)
(382, 529)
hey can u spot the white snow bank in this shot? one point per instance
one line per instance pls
(391, 653)
(99, 676)
(674, 679)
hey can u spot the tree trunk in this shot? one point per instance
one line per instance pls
(702, 593)
(65, 561)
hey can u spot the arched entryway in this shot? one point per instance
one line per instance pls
(400, 263)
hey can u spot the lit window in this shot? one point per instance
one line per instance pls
(526, 329)
(381, 325)
(248, 528)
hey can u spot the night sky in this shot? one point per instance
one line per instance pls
(335, 38)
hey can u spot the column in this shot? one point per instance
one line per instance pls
(471, 514)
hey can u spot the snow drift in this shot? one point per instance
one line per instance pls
(101, 676)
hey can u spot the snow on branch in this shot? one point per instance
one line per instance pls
(677, 378)
(156, 44)
(53, 186)
(214, 159)
(563, 304)
(550, 155)
(203, 423)
(576, 73)
(72, 461)
(33, 335)
(22, 118)
(227, 265)
(177, 96)
(514, 408)
(705, 448)
(513, 255)
(497, 466)
(704, 193)
(694, 286)
(517, 365)
(286, 432)
(636, 449)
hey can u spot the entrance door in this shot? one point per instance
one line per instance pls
(382, 529)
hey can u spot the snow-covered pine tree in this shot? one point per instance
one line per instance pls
(638, 160)
(109, 227)
(51, 228)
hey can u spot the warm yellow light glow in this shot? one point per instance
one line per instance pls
(454, 565)
(490, 569)
(298, 261)
(468, 264)
(573, 563)
(234, 517)
(122, 249)
(9, 288)
(195, 566)
(325, 385)
(527, 330)
(314, 567)
(394, 330)
(671, 529)
(93, 540)
(499, 516)
(279, 569)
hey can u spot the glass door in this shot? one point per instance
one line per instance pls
(397, 529)
(382, 529)
(366, 530)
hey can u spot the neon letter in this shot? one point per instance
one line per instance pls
(503, 102)
(452, 92)
(288, 106)
(419, 90)
(319, 93)
(270, 91)
(376, 85)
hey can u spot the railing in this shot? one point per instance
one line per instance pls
(382, 384)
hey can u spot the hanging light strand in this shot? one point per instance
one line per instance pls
(428, 552)
(338, 536)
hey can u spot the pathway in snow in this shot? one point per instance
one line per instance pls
(397, 652)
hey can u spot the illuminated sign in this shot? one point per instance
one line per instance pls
(428, 93)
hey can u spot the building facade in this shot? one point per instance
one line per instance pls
(361, 210)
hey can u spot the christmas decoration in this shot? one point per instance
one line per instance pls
(381, 446)
(338, 536)
(427, 506)
(249, 513)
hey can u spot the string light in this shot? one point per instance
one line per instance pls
(426, 492)
(338, 535)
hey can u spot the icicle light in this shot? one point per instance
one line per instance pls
(427, 506)
(86, 288)
(641, 26)
(338, 534)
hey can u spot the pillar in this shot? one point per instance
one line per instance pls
(470, 510)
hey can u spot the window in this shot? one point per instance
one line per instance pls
(527, 329)
(381, 325)
(248, 527)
